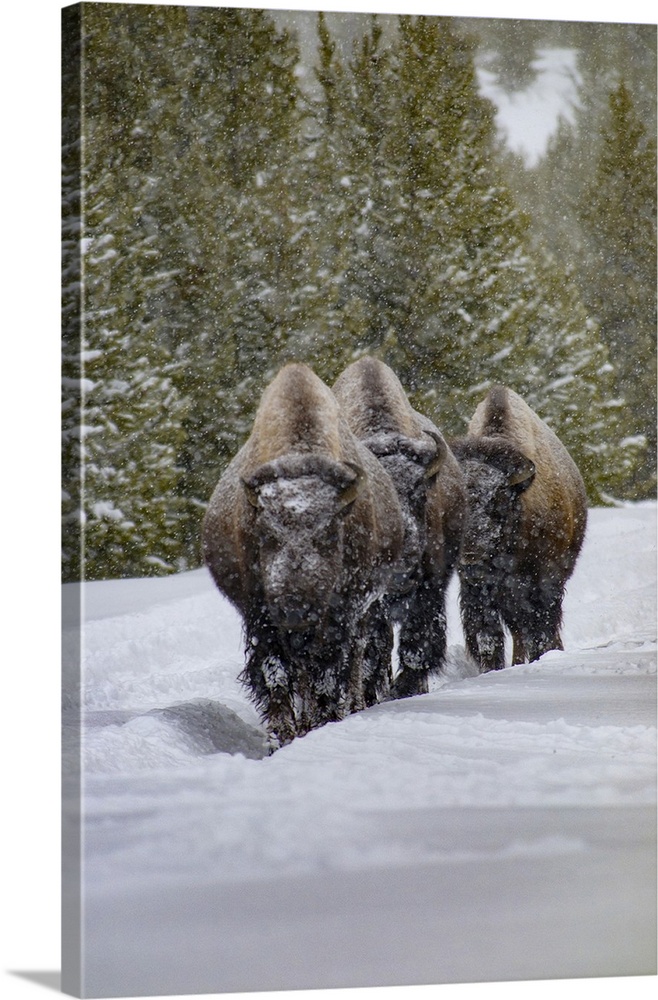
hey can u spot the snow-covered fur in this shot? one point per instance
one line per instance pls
(302, 534)
(527, 513)
(430, 488)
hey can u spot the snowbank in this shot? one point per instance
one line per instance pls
(501, 827)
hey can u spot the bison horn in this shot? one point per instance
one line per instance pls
(441, 451)
(251, 492)
(523, 472)
(349, 494)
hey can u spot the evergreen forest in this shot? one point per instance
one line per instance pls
(230, 205)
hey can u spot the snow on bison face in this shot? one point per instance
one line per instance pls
(299, 536)
(491, 528)
(413, 465)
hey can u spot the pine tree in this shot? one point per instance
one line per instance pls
(132, 416)
(584, 200)
(470, 279)
(383, 269)
(229, 232)
(333, 317)
(476, 304)
(573, 388)
(423, 250)
(192, 121)
(231, 223)
(71, 293)
(130, 413)
(618, 272)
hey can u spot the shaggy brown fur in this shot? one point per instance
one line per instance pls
(523, 533)
(303, 534)
(430, 488)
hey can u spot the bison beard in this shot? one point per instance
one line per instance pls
(296, 678)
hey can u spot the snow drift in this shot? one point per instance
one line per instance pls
(501, 827)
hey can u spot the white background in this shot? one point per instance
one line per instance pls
(29, 464)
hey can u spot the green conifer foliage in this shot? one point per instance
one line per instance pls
(130, 418)
(618, 213)
(475, 305)
(131, 413)
(191, 125)
(375, 273)
(573, 385)
(332, 319)
(71, 293)
(472, 279)
(228, 233)
(592, 203)
(219, 221)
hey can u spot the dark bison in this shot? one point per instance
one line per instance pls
(526, 519)
(430, 487)
(302, 534)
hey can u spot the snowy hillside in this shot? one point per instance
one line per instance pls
(527, 118)
(500, 827)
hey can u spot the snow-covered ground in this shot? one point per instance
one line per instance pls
(500, 827)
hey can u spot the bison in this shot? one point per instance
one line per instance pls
(303, 534)
(431, 492)
(525, 524)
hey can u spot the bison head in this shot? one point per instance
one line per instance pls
(412, 464)
(300, 503)
(496, 475)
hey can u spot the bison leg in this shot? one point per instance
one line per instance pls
(531, 646)
(545, 633)
(542, 644)
(482, 625)
(535, 621)
(267, 677)
(377, 670)
(280, 718)
(354, 701)
(328, 669)
(306, 711)
(549, 603)
(422, 644)
(352, 653)
(518, 648)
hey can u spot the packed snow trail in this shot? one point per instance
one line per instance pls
(500, 827)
